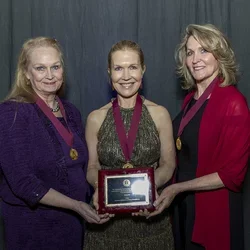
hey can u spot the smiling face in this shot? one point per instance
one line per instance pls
(202, 64)
(126, 72)
(45, 71)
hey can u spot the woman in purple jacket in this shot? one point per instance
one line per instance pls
(43, 156)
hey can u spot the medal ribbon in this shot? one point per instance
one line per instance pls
(66, 134)
(190, 114)
(127, 142)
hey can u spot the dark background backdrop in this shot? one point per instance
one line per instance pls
(87, 29)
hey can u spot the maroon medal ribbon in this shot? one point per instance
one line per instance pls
(127, 142)
(66, 134)
(190, 114)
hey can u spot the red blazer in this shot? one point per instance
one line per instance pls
(223, 147)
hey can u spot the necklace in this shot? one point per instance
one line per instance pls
(65, 133)
(57, 108)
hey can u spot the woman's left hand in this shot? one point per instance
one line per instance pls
(164, 200)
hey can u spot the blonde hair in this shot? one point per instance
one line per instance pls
(213, 41)
(22, 90)
(126, 45)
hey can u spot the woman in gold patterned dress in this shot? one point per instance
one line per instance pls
(153, 147)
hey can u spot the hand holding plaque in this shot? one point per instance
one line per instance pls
(126, 190)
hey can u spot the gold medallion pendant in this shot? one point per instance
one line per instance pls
(127, 165)
(73, 154)
(178, 143)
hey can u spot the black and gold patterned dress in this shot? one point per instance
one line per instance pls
(125, 232)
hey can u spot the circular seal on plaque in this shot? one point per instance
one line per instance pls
(126, 183)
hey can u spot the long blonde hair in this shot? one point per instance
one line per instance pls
(213, 41)
(22, 90)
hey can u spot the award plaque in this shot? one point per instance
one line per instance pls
(126, 190)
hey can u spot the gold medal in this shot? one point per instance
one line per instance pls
(127, 165)
(178, 143)
(73, 154)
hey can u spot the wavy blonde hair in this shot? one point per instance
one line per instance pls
(22, 90)
(213, 41)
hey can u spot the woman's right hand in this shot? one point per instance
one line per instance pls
(90, 214)
(165, 199)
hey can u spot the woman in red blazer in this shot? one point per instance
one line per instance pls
(212, 142)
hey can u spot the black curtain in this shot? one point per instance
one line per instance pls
(86, 30)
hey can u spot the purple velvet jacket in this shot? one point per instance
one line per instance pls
(32, 158)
